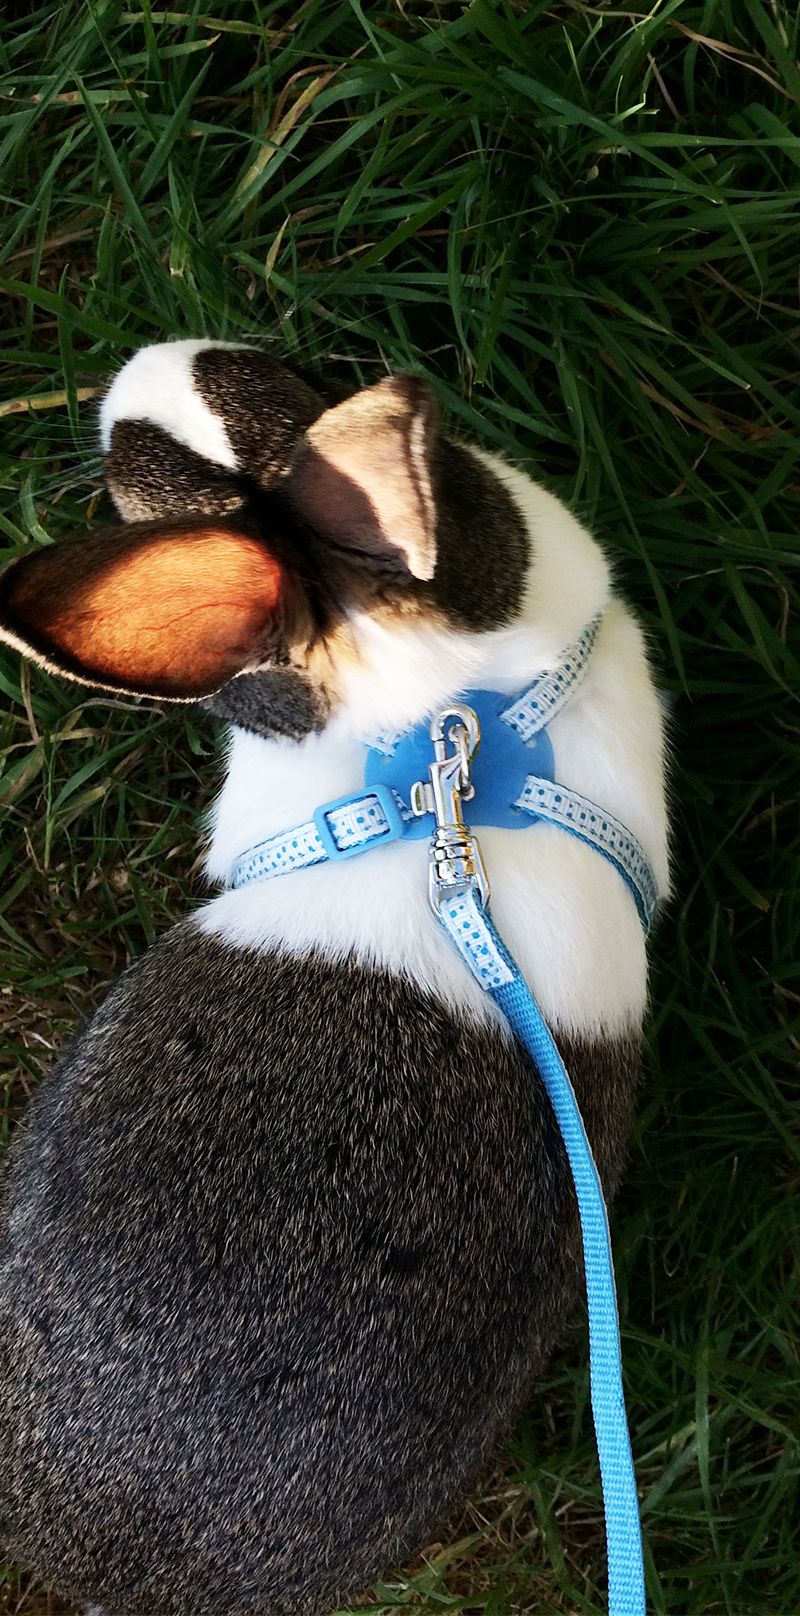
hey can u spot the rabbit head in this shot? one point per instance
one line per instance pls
(266, 529)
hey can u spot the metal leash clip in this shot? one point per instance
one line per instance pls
(455, 864)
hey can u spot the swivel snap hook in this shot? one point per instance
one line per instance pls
(455, 864)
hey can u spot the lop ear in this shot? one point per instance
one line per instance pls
(155, 609)
(361, 474)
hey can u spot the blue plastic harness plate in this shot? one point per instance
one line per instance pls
(498, 773)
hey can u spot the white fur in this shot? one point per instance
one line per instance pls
(158, 385)
(563, 910)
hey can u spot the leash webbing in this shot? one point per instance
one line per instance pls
(477, 940)
(626, 1595)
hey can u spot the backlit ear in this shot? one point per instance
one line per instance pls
(155, 609)
(361, 474)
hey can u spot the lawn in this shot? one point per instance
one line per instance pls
(581, 222)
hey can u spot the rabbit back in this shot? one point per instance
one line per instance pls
(276, 1274)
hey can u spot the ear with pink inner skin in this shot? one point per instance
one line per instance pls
(361, 474)
(153, 609)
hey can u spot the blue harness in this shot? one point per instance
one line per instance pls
(509, 782)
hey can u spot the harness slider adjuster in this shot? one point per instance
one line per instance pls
(375, 810)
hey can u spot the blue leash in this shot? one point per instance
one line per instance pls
(459, 895)
(623, 1531)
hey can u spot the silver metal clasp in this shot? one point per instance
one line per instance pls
(456, 864)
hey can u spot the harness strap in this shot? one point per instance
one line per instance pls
(379, 814)
(338, 830)
(545, 799)
(537, 706)
(376, 817)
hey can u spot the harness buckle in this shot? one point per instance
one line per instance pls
(455, 862)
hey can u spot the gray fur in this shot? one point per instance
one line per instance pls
(265, 406)
(149, 474)
(277, 1273)
(279, 702)
(285, 1242)
(266, 409)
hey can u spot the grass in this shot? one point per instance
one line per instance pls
(581, 222)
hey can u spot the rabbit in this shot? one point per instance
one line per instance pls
(289, 1232)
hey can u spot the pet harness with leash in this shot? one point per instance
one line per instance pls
(511, 781)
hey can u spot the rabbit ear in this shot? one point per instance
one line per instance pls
(361, 474)
(155, 609)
